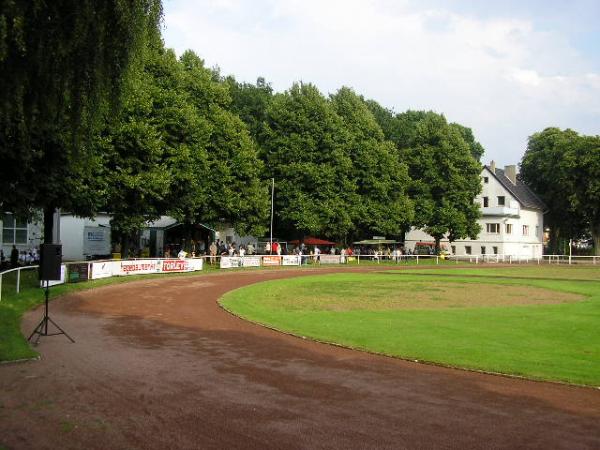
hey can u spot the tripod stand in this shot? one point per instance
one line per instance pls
(42, 328)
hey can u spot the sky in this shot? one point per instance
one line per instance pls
(506, 69)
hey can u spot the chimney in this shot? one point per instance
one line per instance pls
(493, 166)
(511, 173)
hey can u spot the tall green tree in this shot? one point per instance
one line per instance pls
(61, 62)
(446, 177)
(381, 179)
(152, 151)
(563, 167)
(548, 167)
(250, 103)
(587, 186)
(232, 179)
(306, 150)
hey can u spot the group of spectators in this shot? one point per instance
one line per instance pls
(19, 258)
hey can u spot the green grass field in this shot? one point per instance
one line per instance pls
(538, 322)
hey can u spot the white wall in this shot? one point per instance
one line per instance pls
(227, 233)
(72, 234)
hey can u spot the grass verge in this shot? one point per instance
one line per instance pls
(559, 342)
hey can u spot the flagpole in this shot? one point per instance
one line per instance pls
(272, 195)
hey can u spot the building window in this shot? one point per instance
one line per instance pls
(537, 230)
(14, 231)
(453, 247)
(509, 228)
(483, 250)
(493, 228)
(495, 249)
(486, 180)
(501, 200)
(525, 230)
(486, 202)
(468, 249)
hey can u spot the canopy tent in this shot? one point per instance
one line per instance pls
(376, 242)
(312, 241)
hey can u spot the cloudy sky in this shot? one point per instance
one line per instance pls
(505, 68)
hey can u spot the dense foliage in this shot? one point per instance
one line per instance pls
(62, 63)
(96, 115)
(563, 167)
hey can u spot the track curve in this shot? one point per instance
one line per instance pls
(158, 364)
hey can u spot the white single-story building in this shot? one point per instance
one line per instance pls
(511, 219)
(25, 236)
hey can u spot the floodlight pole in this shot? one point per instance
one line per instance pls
(272, 196)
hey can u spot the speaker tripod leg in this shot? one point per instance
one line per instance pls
(61, 330)
(38, 330)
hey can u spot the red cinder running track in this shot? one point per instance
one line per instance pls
(159, 365)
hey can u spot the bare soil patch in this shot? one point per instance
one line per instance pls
(421, 295)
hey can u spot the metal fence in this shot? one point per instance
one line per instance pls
(18, 271)
(247, 261)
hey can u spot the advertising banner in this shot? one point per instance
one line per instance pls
(63, 270)
(290, 260)
(271, 260)
(251, 261)
(104, 269)
(174, 265)
(78, 272)
(96, 241)
(139, 267)
(196, 264)
(180, 265)
(330, 259)
(229, 262)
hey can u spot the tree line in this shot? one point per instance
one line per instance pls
(563, 168)
(130, 129)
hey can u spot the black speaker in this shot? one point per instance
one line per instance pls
(50, 261)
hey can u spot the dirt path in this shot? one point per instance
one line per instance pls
(158, 365)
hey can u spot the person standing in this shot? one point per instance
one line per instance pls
(317, 255)
(14, 257)
(250, 249)
(213, 252)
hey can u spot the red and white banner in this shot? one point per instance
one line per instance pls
(271, 260)
(139, 267)
(105, 269)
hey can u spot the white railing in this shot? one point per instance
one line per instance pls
(226, 261)
(18, 283)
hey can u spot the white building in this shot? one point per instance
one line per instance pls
(511, 219)
(20, 233)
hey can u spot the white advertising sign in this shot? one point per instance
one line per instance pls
(196, 264)
(290, 260)
(228, 262)
(55, 282)
(139, 267)
(104, 269)
(251, 261)
(330, 259)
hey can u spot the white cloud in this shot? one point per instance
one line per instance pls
(502, 77)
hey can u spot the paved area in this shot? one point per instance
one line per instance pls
(159, 365)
